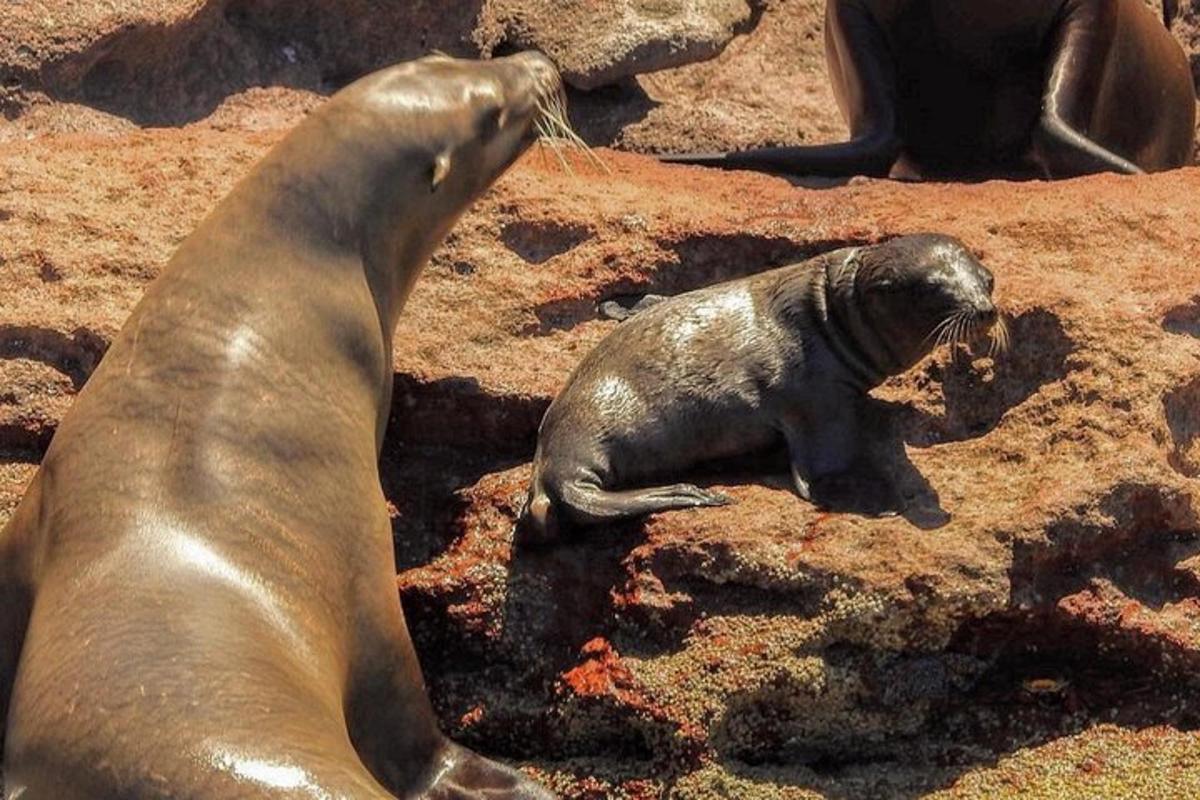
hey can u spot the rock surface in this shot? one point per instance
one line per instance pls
(595, 44)
(1029, 628)
(171, 61)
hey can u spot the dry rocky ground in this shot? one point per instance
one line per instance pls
(1029, 628)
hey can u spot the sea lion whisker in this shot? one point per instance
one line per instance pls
(1001, 331)
(945, 328)
(944, 336)
(550, 140)
(957, 338)
(554, 113)
(936, 333)
(952, 331)
(947, 332)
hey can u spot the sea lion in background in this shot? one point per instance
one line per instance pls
(731, 369)
(967, 87)
(204, 559)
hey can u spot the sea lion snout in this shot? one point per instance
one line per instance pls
(987, 314)
(530, 87)
(971, 286)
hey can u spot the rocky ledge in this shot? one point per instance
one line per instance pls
(1030, 627)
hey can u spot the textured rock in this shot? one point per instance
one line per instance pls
(768, 87)
(1030, 628)
(1052, 537)
(172, 61)
(596, 43)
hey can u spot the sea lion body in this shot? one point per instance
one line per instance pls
(978, 87)
(785, 355)
(203, 567)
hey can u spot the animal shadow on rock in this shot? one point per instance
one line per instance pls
(975, 400)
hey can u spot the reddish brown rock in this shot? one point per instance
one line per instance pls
(595, 44)
(173, 61)
(1030, 628)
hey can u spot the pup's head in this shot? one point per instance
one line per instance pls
(914, 293)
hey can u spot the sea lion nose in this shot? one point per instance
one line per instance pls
(539, 67)
(986, 312)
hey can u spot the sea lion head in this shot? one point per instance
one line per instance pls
(913, 293)
(441, 130)
(386, 167)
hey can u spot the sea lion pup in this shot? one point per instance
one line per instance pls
(978, 87)
(733, 368)
(205, 557)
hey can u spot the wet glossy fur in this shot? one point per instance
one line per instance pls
(785, 355)
(978, 87)
(206, 545)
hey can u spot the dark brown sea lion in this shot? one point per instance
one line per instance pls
(966, 87)
(783, 355)
(202, 571)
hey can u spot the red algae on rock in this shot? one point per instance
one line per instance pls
(763, 650)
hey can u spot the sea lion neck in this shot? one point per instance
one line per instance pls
(356, 200)
(849, 334)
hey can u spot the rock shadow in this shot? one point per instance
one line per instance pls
(483, 421)
(696, 261)
(1182, 409)
(1183, 319)
(173, 74)
(421, 484)
(75, 355)
(975, 400)
(1149, 530)
(538, 241)
(601, 115)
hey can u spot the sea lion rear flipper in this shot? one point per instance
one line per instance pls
(590, 504)
(871, 154)
(864, 81)
(1075, 80)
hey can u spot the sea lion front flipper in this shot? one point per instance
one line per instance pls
(617, 310)
(1081, 49)
(830, 468)
(822, 441)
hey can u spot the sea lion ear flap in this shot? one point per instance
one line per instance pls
(441, 168)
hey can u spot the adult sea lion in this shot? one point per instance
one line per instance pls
(962, 87)
(200, 580)
(730, 369)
